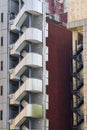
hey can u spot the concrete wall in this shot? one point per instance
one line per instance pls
(3, 57)
(81, 26)
(59, 42)
(77, 10)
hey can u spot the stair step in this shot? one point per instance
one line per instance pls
(24, 53)
(24, 103)
(24, 128)
(24, 78)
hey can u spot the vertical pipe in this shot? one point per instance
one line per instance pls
(44, 67)
(29, 47)
(30, 72)
(29, 124)
(19, 109)
(30, 68)
(76, 75)
(19, 10)
(8, 58)
(19, 5)
(29, 98)
(30, 20)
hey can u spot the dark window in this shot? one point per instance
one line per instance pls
(1, 41)
(2, 17)
(80, 38)
(1, 65)
(1, 90)
(1, 115)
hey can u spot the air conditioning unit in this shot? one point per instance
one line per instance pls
(49, 16)
(57, 17)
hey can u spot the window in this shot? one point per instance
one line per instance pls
(1, 90)
(1, 41)
(1, 65)
(1, 115)
(2, 17)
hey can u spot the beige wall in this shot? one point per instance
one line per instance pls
(77, 22)
(77, 10)
(4, 125)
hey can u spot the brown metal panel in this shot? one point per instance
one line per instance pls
(59, 67)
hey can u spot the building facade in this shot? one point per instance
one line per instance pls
(77, 23)
(23, 56)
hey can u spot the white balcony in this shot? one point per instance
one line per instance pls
(30, 60)
(30, 85)
(31, 6)
(31, 34)
(30, 111)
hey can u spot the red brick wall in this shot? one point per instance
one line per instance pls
(59, 65)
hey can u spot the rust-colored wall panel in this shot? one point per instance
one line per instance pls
(59, 67)
(63, 17)
(56, 8)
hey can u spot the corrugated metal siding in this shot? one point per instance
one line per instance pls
(59, 65)
(63, 17)
(59, 8)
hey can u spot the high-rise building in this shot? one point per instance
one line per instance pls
(77, 23)
(23, 74)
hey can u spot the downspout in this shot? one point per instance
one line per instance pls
(8, 55)
(44, 67)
